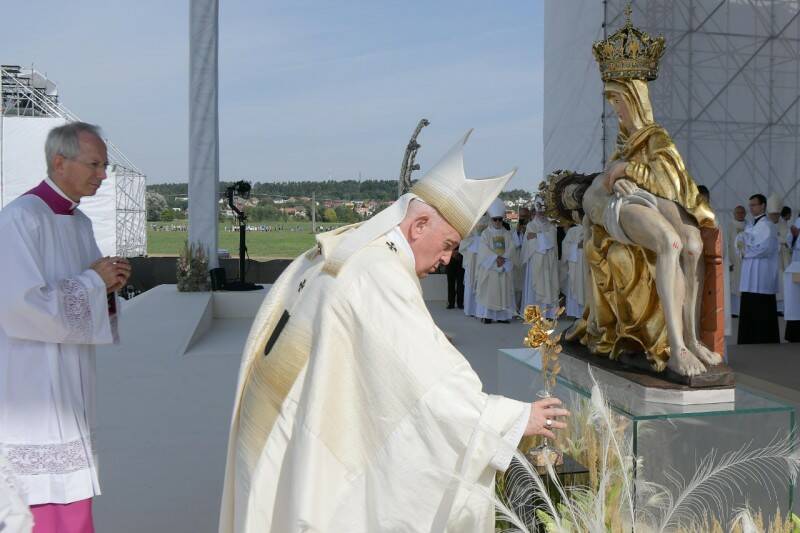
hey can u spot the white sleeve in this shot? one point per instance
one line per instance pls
(73, 310)
(765, 248)
(513, 436)
(546, 240)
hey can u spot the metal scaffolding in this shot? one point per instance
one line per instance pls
(25, 92)
(728, 91)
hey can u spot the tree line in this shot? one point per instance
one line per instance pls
(167, 201)
(380, 190)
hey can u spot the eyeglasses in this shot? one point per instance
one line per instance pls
(497, 219)
(94, 165)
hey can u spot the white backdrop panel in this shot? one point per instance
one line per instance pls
(102, 209)
(22, 164)
(573, 93)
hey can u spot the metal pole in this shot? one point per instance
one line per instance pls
(314, 213)
(203, 126)
(242, 249)
(602, 96)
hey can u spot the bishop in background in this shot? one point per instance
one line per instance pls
(353, 411)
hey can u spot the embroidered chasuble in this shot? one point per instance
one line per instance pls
(354, 413)
(495, 286)
(540, 255)
(53, 309)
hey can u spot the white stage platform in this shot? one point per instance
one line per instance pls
(165, 395)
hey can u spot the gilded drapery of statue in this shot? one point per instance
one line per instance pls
(654, 163)
(625, 314)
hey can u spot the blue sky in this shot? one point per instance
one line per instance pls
(308, 89)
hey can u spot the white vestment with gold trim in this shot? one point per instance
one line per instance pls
(362, 416)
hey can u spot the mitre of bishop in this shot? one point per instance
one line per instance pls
(461, 202)
(774, 203)
(497, 209)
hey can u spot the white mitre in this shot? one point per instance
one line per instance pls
(774, 203)
(497, 209)
(461, 201)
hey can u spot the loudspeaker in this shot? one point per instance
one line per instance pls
(217, 278)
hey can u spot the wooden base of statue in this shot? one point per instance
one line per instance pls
(629, 380)
(635, 367)
(712, 310)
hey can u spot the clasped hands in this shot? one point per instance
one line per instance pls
(541, 411)
(614, 173)
(500, 261)
(114, 271)
(615, 181)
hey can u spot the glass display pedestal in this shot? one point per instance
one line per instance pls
(670, 439)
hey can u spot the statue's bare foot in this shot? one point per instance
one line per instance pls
(704, 354)
(683, 362)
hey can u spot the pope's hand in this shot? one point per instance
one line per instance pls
(501, 261)
(541, 412)
(531, 235)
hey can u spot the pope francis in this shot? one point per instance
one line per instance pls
(353, 411)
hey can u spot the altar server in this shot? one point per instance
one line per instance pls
(758, 316)
(523, 217)
(574, 270)
(735, 247)
(496, 258)
(354, 413)
(56, 302)
(469, 247)
(540, 256)
(774, 208)
(791, 283)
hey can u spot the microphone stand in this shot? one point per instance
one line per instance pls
(240, 284)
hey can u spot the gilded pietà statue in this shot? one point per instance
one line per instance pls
(651, 241)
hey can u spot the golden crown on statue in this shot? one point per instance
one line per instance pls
(629, 53)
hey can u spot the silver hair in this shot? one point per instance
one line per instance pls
(418, 206)
(65, 141)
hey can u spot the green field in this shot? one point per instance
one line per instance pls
(260, 245)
